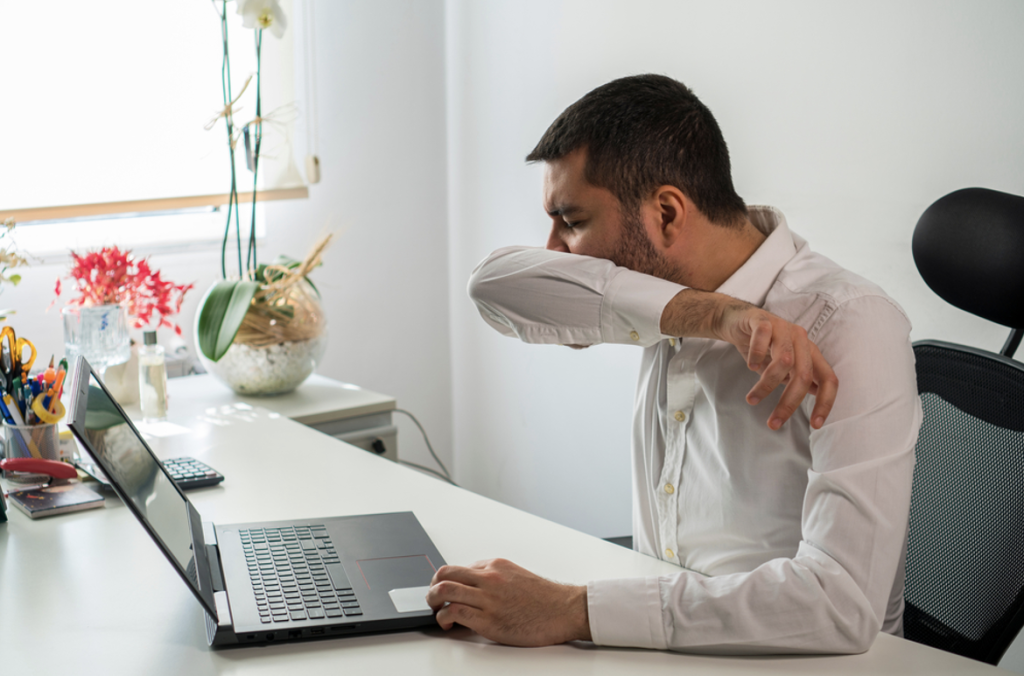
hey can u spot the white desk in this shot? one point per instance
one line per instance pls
(342, 410)
(90, 593)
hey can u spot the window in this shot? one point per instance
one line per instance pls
(104, 109)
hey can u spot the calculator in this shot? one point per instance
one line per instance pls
(186, 472)
(190, 473)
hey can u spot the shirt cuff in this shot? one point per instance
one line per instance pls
(632, 308)
(626, 613)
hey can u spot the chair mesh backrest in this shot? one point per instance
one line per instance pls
(965, 552)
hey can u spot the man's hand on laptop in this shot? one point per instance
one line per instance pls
(508, 604)
(779, 350)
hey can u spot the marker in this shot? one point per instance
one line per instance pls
(58, 386)
(62, 370)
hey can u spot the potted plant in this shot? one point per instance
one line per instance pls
(115, 290)
(260, 330)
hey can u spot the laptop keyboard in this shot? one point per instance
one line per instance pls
(296, 574)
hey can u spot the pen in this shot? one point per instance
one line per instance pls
(6, 412)
(15, 413)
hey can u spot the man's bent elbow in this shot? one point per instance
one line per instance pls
(477, 285)
(855, 635)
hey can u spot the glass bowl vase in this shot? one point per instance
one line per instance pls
(99, 333)
(282, 339)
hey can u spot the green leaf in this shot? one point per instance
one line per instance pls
(15, 279)
(310, 282)
(287, 261)
(222, 314)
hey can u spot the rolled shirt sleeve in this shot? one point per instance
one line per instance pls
(550, 297)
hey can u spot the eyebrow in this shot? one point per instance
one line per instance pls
(564, 210)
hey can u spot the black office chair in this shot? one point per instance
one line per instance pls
(965, 554)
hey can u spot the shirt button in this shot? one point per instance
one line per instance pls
(680, 416)
(634, 335)
(670, 489)
(670, 554)
(672, 342)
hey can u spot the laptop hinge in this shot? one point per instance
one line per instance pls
(209, 533)
(213, 555)
(216, 577)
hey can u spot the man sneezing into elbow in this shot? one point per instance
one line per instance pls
(776, 413)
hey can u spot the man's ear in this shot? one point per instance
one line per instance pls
(673, 211)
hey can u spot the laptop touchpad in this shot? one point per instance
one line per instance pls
(396, 572)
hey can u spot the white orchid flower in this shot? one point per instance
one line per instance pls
(263, 14)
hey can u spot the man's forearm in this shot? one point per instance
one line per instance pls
(698, 314)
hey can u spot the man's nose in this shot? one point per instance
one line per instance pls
(555, 242)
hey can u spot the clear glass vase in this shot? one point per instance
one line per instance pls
(98, 333)
(280, 343)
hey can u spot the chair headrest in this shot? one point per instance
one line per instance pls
(969, 248)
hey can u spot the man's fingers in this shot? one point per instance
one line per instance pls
(826, 386)
(468, 575)
(800, 381)
(782, 353)
(760, 342)
(449, 592)
(458, 613)
(773, 375)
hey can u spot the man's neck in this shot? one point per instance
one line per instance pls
(717, 252)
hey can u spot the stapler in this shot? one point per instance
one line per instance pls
(61, 471)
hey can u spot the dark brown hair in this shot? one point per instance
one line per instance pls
(642, 132)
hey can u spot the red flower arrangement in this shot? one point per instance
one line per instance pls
(112, 276)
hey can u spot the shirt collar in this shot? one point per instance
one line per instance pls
(752, 281)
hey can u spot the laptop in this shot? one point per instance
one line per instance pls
(268, 581)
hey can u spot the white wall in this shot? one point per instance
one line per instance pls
(851, 117)
(382, 148)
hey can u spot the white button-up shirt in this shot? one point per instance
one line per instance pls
(789, 541)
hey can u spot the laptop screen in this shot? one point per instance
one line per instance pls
(132, 468)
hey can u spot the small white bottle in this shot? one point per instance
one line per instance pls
(152, 379)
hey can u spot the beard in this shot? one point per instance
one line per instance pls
(636, 252)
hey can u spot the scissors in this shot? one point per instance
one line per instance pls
(12, 349)
(26, 366)
(9, 365)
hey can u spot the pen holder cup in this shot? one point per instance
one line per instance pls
(31, 441)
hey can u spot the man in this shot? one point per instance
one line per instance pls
(791, 538)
